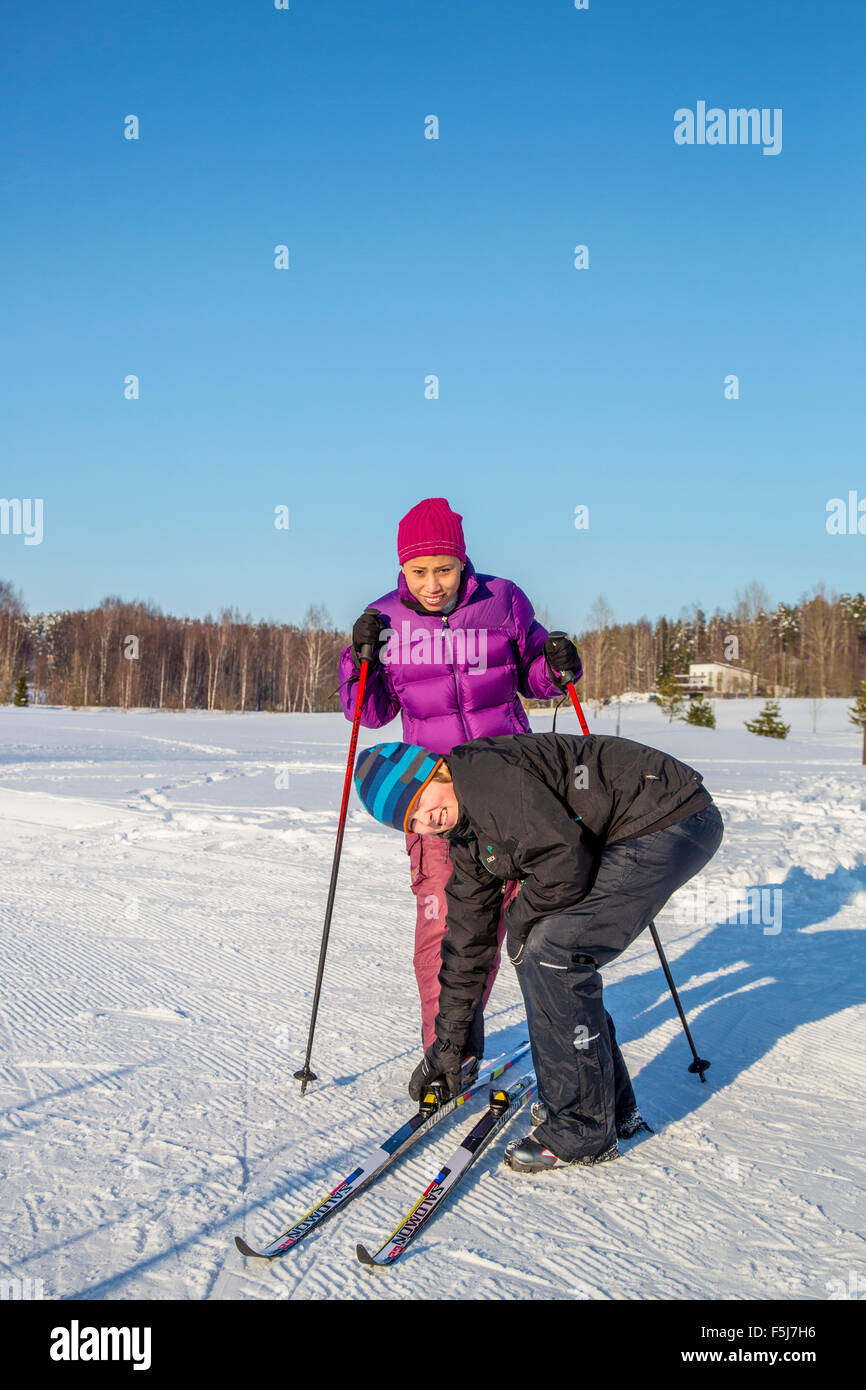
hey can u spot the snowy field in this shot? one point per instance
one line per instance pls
(161, 903)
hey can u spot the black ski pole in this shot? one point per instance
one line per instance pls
(305, 1075)
(699, 1065)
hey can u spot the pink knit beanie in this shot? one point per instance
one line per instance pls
(431, 528)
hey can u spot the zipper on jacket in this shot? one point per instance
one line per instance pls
(446, 625)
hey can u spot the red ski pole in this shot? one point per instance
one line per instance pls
(569, 678)
(699, 1064)
(305, 1075)
(584, 727)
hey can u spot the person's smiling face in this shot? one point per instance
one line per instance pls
(433, 579)
(435, 811)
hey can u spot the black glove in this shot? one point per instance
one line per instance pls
(562, 659)
(441, 1063)
(366, 633)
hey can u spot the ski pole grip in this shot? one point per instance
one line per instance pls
(366, 652)
(567, 676)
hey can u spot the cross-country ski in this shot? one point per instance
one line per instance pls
(503, 1104)
(372, 1164)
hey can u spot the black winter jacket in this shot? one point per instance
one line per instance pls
(541, 808)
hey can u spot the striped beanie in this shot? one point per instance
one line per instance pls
(389, 777)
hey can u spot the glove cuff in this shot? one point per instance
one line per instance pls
(556, 677)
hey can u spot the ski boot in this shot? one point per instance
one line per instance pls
(469, 1070)
(528, 1155)
(632, 1124)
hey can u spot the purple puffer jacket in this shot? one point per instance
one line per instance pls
(455, 676)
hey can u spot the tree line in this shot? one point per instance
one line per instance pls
(131, 654)
(814, 648)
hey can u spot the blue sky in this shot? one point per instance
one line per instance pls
(408, 257)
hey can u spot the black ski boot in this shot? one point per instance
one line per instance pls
(528, 1155)
(632, 1124)
(474, 1048)
(469, 1070)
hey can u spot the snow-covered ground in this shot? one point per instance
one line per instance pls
(161, 901)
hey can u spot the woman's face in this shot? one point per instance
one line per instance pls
(433, 579)
(435, 810)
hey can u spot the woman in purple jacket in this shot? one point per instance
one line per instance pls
(453, 649)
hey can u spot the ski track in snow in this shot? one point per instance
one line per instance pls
(161, 903)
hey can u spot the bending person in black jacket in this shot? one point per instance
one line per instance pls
(600, 831)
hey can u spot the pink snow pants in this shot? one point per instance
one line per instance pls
(430, 863)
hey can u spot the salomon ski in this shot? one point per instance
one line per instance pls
(503, 1104)
(431, 1112)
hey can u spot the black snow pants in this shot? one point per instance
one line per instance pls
(583, 1082)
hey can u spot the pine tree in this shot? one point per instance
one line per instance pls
(857, 713)
(671, 696)
(20, 696)
(664, 668)
(853, 610)
(769, 722)
(700, 712)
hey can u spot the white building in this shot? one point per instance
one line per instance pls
(718, 678)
